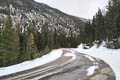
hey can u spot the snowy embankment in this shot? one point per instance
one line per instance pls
(53, 55)
(110, 56)
(91, 70)
(71, 54)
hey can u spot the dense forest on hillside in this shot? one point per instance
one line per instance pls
(104, 27)
(18, 44)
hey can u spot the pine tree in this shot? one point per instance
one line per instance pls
(30, 47)
(111, 19)
(50, 40)
(38, 42)
(117, 22)
(23, 46)
(55, 39)
(8, 44)
(100, 26)
(93, 28)
(87, 32)
(17, 40)
(1, 56)
(44, 36)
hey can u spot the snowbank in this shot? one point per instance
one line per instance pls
(90, 58)
(110, 56)
(91, 70)
(71, 54)
(53, 55)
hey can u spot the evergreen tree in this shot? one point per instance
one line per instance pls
(23, 46)
(100, 26)
(50, 40)
(47, 37)
(87, 33)
(38, 41)
(44, 36)
(93, 28)
(111, 17)
(17, 40)
(8, 44)
(55, 39)
(117, 19)
(31, 47)
(1, 56)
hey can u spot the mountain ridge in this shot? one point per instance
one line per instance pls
(30, 11)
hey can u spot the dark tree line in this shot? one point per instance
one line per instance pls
(18, 44)
(104, 27)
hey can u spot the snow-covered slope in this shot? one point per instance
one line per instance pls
(110, 56)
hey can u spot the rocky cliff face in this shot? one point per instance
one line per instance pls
(28, 12)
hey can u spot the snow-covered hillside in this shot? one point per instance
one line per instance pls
(110, 56)
(28, 12)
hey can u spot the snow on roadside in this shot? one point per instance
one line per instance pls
(110, 56)
(90, 58)
(53, 55)
(71, 54)
(91, 70)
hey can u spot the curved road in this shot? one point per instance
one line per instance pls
(63, 69)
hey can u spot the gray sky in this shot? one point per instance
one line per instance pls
(81, 8)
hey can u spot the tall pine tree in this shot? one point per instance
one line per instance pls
(8, 44)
